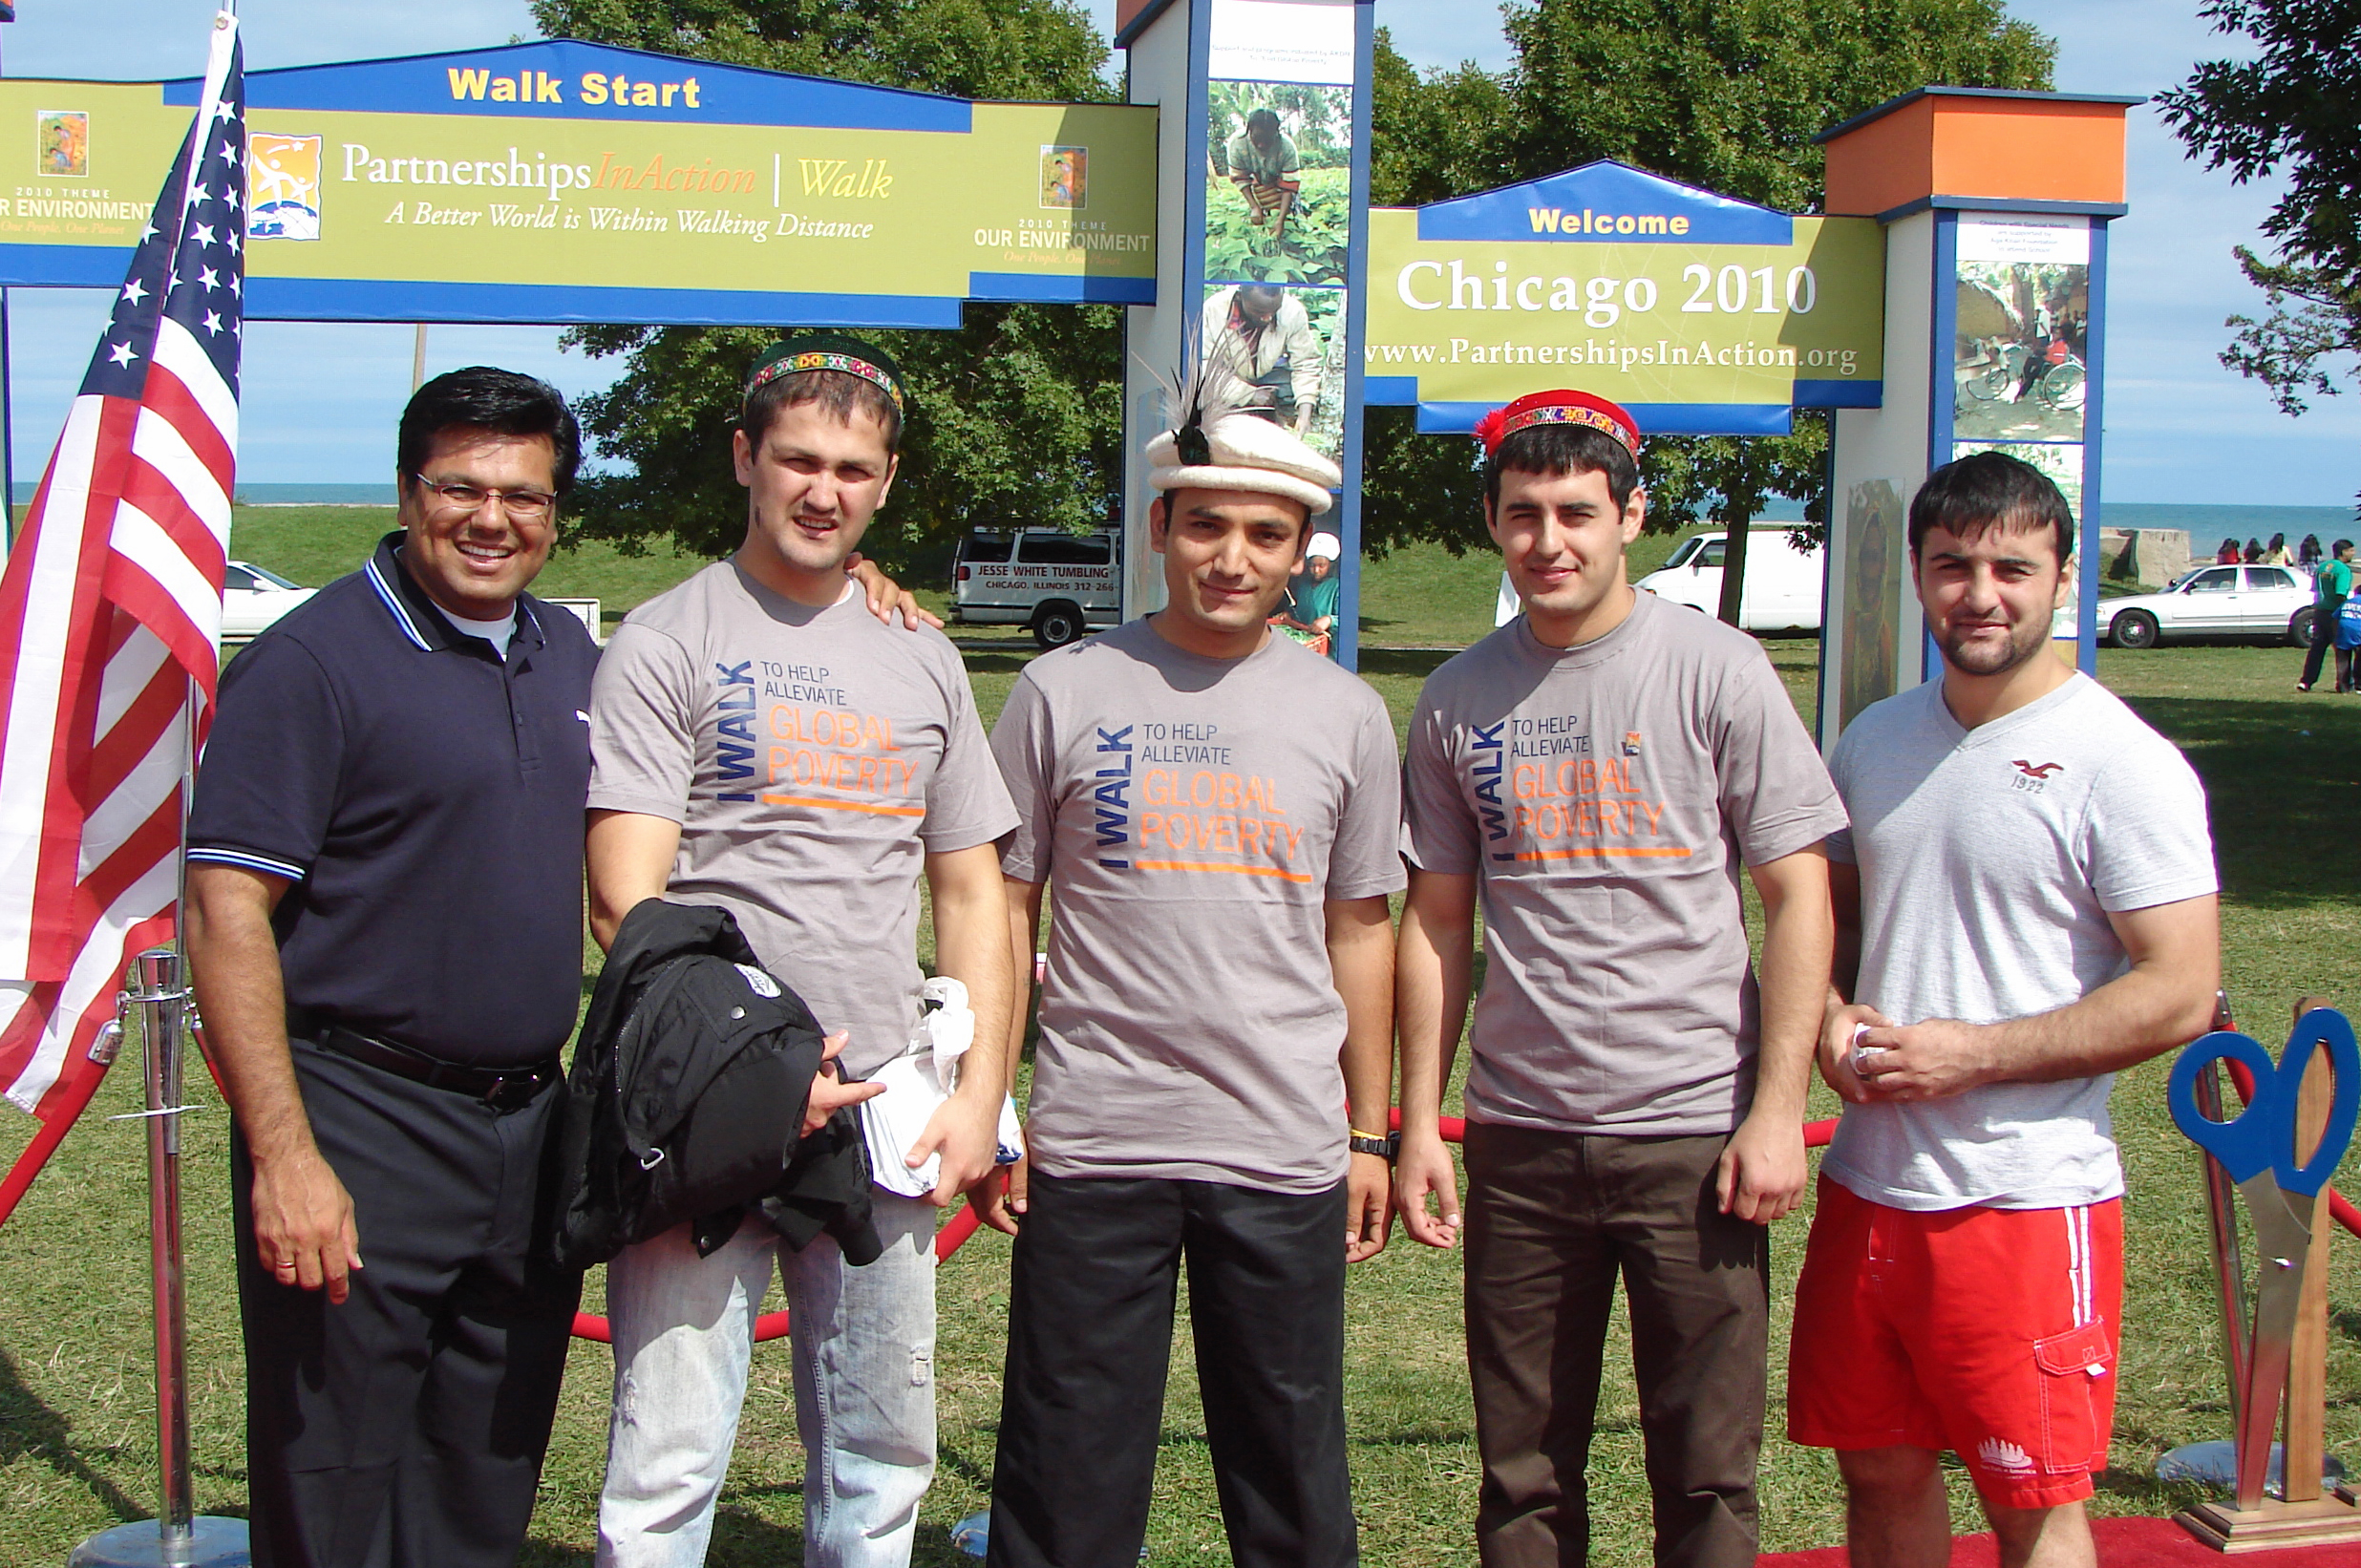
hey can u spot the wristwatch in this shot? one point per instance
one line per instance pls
(1370, 1143)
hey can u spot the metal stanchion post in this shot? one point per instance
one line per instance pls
(178, 1538)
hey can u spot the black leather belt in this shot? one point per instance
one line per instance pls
(504, 1089)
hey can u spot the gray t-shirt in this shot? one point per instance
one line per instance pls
(1193, 817)
(814, 758)
(1989, 859)
(1605, 794)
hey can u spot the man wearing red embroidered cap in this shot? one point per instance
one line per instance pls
(1596, 771)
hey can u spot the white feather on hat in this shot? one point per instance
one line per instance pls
(1247, 453)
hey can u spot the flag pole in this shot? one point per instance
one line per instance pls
(178, 1538)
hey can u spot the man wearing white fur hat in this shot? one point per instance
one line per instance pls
(1217, 806)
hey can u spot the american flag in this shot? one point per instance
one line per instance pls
(109, 610)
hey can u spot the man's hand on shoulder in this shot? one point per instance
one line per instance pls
(304, 1229)
(1762, 1171)
(888, 598)
(1368, 1207)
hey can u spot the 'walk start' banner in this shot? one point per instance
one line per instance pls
(566, 181)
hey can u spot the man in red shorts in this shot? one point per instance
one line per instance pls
(2025, 904)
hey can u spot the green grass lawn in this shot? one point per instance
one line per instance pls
(76, 1439)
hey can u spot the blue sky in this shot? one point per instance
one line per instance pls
(321, 400)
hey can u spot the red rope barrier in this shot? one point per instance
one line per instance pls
(773, 1326)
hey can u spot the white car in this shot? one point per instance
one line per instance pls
(2213, 602)
(253, 598)
(1782, 590)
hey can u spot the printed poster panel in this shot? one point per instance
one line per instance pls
(2023, 321)
(1288, 345)
(1279, 182)
(2062, 463)
(1279, 234)
(1875, 545)
(526, 166)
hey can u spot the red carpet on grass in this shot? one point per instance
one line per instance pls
(2123, 1543)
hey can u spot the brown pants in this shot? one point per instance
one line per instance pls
(1552, 1218)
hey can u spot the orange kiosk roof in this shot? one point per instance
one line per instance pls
(1951, 146)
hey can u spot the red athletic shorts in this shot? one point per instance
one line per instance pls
(1992, 1332)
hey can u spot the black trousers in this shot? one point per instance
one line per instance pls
(2323, 639)
(405, 1427)
(1097, 1270)
(1553, 1219)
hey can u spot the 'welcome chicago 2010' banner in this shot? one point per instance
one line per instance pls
(1701, 313)
(566, 181)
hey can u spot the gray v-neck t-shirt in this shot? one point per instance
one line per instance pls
(1990, 860)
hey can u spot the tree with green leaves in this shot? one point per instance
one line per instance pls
(1726, 95)
(1015, 418)
(2293, 108)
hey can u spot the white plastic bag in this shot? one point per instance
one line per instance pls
(916, 1083)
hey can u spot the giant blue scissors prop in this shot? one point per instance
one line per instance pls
(2257, 1150)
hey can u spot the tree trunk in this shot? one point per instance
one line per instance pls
(1735, 535)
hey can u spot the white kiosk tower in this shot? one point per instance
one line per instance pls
(1995, 206)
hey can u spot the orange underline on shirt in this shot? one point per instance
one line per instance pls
(843, 805)
(1211, 865)
(1649, 852)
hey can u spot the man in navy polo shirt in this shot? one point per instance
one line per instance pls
(385, 925)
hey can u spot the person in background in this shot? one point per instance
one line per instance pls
(2025, 906)
(2228, 555)
(2254, 552)
(2332, 581)
(2307, 553)
(1311, 607)
(2276, 552)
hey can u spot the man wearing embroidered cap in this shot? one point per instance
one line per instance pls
(1596, 771)
(762, 743)
(1217, 808)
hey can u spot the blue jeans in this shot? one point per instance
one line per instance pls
(863, 1343)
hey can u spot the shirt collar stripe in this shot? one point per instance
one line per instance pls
(393, 603)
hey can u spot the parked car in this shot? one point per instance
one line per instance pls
(1782, 590)
(1060, 585)
(252, 598)
(2213, 602)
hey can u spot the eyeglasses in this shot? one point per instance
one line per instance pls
(522, 505)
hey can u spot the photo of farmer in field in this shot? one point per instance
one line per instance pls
(1278, 201)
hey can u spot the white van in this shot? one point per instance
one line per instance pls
(1782, 584)
(1060, 585)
